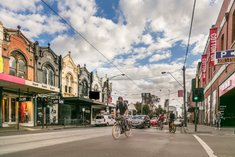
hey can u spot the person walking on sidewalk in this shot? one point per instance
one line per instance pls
(218, 120)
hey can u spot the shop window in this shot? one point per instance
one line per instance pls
(5, 110)
(17, 64)
(48, 75)
(13, 110)
(233, 27)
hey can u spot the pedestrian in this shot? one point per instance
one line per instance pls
(218, 119)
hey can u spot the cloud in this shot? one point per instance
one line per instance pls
(161, 56)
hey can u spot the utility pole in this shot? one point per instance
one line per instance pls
(185, 112)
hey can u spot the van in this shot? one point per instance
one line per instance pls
(104, 120)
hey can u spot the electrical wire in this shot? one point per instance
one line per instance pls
(190, 31)
(84, 38)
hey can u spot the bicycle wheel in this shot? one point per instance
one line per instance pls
(116, 131)
(161, 126)
(173, 129)
(128, 132)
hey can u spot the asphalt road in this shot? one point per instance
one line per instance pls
(98, 142)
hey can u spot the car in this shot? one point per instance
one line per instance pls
(178, 122)
(141, 121)
(153, 121)
(104, 120)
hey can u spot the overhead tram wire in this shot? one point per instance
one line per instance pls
(190, 32)
(80, 34)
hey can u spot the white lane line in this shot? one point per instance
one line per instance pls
(208, 150)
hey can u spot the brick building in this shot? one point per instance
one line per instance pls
(219, 85)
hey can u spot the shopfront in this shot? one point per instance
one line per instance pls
(227, 101)
(18, 101)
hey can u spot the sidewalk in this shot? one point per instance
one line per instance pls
(204, 129)
(7, 131)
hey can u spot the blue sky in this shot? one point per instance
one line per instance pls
(141, 37)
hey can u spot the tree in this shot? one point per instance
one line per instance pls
(159, 110)
(146, 109)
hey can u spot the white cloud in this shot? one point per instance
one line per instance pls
(171, 18)
(160, 56)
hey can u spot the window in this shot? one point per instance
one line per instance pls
(233, 27)
(48, 75)
(17, 64)
(69, 82)
(222, 43)
(84, 88)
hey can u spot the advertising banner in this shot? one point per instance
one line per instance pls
(213, 46)
(204, 58)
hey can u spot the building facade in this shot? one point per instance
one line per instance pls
(219, 91)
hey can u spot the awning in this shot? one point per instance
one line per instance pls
(15, 83)
(79, 100)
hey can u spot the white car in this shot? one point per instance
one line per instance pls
(104, 120)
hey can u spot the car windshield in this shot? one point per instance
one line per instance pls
(99, 117)
(138, 117)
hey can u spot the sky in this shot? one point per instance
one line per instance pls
(141, 38)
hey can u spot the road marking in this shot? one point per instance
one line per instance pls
(208, 150)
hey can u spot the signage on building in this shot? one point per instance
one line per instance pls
(213, 38)
(1, 64)
(55, 101)
(180, 93)
(227, 85)
(42, 86)
(204, 58)
(226, 56)
(23, 99)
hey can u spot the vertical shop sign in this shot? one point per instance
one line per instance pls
(204, 58)
(213, 45)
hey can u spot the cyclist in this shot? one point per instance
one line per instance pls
(171, 118)
(123, 110)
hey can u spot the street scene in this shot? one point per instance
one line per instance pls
(117, 78)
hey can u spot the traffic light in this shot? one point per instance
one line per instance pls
(198, 95)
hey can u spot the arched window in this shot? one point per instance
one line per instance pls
(17, 64)
(84, 88)
(233, 27)
(48, 75)
(69, 83)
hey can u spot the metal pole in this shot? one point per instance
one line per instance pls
(18, 125)
(195, 118)
(142, 105)
(185, 112)
(107, 107)
(1, 115)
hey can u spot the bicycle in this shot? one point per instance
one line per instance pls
(160, 125)
(121, 126)
(172, 127)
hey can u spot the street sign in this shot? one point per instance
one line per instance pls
(22, 99)
(226, 56)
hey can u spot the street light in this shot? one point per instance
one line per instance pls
(184, 89)
(107, 82)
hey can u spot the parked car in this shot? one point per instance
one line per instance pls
(104, 120)
(153, 121)
(141, 121)
(178, 122)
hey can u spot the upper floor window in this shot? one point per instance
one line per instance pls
(84, 88)
(17, 65)
(48, 75)
(233, 27)
(68, 85)
(222, 43)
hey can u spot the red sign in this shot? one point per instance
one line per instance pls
(110, 99)
(204, 58)
(213, 47)
(227, 85)
(180, 93)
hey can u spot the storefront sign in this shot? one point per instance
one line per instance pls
(227, 85)
(23, 99)
(42, 86)
(1, 64)
(213, 46)
(227, 56)
(204, 58)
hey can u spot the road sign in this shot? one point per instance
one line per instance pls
(226, 56)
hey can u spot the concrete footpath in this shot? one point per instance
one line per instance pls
(204, 129)
(7, 131)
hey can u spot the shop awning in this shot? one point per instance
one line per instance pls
(79, 100)
(16, 83)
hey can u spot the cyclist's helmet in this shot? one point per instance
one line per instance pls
(120, 98)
